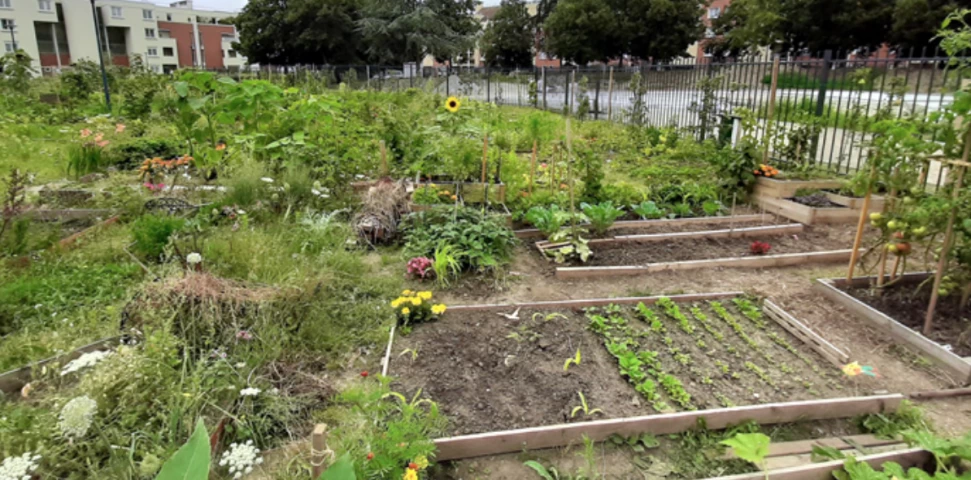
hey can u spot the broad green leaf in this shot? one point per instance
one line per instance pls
(191, 462)
(227, 80)
(182, 88)
(342, 469)
(751, 447)
(539, 468)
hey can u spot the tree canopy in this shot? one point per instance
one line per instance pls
(581, 31)
(399, 31)
(508, 39)
(289, 32)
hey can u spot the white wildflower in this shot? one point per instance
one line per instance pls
(76, 417)
(89, 359)
(267, 179)
(249, 392)
(359, 176)
(193, 258)
(19, 468)
(241, 458)
(241, 212)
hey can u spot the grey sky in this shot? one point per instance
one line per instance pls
(235, 5)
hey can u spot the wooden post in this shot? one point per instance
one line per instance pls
(318, 449)
(610, 94)
(861, 224)
(772, 92)
(485, 153)
(384, 159)
(948, 238)
(532, 167)
(887, 205)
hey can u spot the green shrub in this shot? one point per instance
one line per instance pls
(601, 216)
(478, 241)
(131, 153)
(151, 234)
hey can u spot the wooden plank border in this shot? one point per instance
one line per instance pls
(914, 457)
(790, 228)
(535, 438)
(534, 233)
(14, 380)
(954, 365)
(806, 214)
(805, 334)
(592, 302)
(767, 261)
(786, 188)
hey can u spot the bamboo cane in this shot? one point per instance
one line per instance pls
(384, 159)
(887, 206)
(532, 168)
(485, 153)
(854, 255)
(945, 249)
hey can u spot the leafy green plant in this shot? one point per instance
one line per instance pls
(151, 234)
(445, 265)
(751, 447)
(191, 462)
(583, 407)
(575, 249)
(648, 210)
(475, 240)
(85, 158)
(601, 216)
(548, 220)
(574, 360)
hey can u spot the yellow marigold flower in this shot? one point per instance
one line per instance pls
(416, 301)
(452, 104)
(407, 293)
(410, 475)
(439, 309)
(421, 461)
(425, 295)
(405, 311)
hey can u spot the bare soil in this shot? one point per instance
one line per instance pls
(816, 200)
(907, 305)
(488, 372)
(678, 228)
(813, 239)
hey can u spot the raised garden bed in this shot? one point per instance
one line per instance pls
(670, 225)
(706, 249)
(900, 314)
(14, 380)
(780, 188)
(818, 208)
(490, 372)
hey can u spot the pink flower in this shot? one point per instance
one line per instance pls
(119, 128)
(542, 166)
(420, 267)
(85, 133)
(244, 335)
(99, 137)
(103, 143)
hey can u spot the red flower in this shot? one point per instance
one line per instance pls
(370, 455)
(413, 466)
(364, 374)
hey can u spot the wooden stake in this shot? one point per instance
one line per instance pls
(318, 449)
(948, 238)
(384, 159)
(569, 177)
(532, 167)
(610, 94)
(896, 265)
(772, 92)
(556, 153)
(485, 153)
(861, 224)
(887, 206)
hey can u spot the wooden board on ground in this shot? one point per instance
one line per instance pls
(802, 332)
(954, 365)
(593, 302)
(534, 233)
(765, 261)
(776, 188)
(914, 457)
(509, 441)
(14, 380)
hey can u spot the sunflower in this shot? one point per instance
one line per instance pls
(452, 104)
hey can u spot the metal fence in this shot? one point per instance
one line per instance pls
(824, 105)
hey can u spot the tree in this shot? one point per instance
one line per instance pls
(916, 22)
(660, 29)
(581, 31)
(508, 39)
(290, 32)
(399, 31)
(746, 26)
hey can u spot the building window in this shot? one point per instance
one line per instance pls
(45, 5)
(10, 47)
(5, 4)
(152, 52)
(232, 54)
(164, 33)
(167, 51)
(168, 17)
(709, 33)
(149, 33)
(229, 37)
(6, 24)
(146, 14)
(115, 12)
(714, 13)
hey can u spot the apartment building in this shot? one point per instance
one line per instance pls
(56, 33)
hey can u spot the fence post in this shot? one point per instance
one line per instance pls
(596, 98)
(536, 82)
(566, 96)
(823, 81)
(610, 94)
(544, 88)
(488, 92)
(318, 449)
(367, 74)
(448, 92)
(769, 120)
